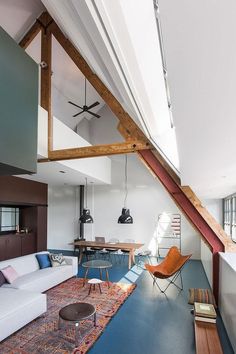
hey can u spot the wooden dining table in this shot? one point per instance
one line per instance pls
(131, 247)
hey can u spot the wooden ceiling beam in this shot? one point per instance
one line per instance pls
(124, 132)
(30, 35)
(96, 150)
(42, 22)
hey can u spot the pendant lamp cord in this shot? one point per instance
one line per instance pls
(85, 89)
(126, 180)
(86, 191)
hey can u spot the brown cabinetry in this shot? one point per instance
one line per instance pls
(31, 199)
(28, 244)
(3, 248)
(12, 245)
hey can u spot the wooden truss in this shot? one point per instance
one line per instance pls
(135, 139)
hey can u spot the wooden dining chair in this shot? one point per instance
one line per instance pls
(124, 251)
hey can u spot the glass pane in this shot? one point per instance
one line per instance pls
(8, 219)
(8, 228)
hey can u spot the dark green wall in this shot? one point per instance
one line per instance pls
(18, 108)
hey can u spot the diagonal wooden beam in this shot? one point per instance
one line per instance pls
(96, 150)
(30, 35)
(125, 132)
(210, 235)
(42, 23)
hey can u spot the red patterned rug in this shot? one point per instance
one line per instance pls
(42, 335)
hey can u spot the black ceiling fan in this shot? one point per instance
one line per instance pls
(86, 108)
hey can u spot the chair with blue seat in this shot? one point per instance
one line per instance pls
(87, 252)
(98, 250)
(113, 251)
(142, 256)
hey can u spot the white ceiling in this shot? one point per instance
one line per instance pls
(199, 39)
(17, 16)
(50, 173)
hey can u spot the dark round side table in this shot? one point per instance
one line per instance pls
(75, 313)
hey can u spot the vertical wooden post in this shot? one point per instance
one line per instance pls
(46, 72)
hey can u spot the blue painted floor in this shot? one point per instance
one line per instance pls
(150, 322)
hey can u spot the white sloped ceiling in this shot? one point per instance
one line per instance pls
(119, 40)
(199, 39)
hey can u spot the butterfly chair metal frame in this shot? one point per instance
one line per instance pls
(170, 267)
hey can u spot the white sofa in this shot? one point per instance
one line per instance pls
(22, 301)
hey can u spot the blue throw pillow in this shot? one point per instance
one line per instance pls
(44, 260)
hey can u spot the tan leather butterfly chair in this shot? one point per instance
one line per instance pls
(170, 267)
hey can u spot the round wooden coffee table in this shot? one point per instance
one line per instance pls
(75, 313)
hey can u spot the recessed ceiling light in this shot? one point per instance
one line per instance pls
(62, 171)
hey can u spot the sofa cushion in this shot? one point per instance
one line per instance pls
(2, 279)
(44, 260)
(43, 279)
(12, 299)
(17, 308)
(57, 259)
(10, 274)
(23, 265)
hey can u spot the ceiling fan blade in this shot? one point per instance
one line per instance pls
(93, 105)
(94, 114)
(75, 104)
(77, 114)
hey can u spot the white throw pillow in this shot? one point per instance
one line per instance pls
(57, 259)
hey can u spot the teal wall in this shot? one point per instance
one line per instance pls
(18, 108)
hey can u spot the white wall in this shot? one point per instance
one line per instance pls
(63, 214)
(62, 109)
(206, 258)
(227, 294)
(146, 199)
(104, 130)
(83, 129)
(214, 206)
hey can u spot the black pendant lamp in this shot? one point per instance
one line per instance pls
(86, 218)
(125, 217)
